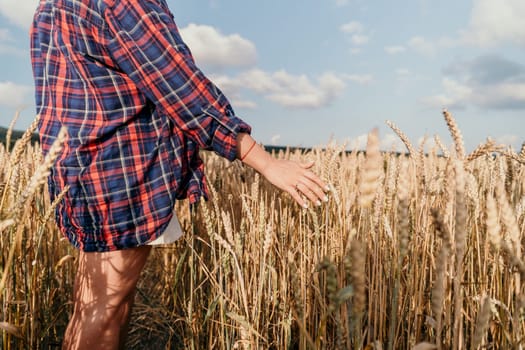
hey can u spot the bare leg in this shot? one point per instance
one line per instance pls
(103, 296)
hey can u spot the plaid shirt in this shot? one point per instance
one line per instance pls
(117, 74)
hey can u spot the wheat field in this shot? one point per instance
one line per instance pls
(414, 250)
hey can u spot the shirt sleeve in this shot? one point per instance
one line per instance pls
(147, 46)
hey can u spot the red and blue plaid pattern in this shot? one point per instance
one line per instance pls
(119, 77)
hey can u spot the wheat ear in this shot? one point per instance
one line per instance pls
(441, 146)
(403, 137)
(42, 172)
(522, 151)
(16, 154)
(10, 130)
(21, 144)
(483, 149)
(456, 134)
(373, 168)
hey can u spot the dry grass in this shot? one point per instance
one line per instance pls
(420, 251)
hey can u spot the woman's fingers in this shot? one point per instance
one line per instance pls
(308, 165)
(311, 176)
(309, 194)
(311, 186)
(312, 190)
(294, 192)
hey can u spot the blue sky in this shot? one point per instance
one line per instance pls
(305, 72)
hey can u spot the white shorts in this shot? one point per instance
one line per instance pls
(172, 233)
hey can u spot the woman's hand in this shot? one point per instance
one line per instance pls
(295, 178)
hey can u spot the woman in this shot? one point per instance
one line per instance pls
(119, 77)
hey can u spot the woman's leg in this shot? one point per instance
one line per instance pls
(103, 296)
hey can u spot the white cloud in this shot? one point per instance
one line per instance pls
(402, 72)
(507, 139)
(429, 47)
(213, 49)
(239, 102)
(352, 27)
(388, 142)
(19, 12)
(489, 82)
(342, 2)
(359, 39)
(455, 95)
(14, 95)
(301, 92)
(363, 79)
(392, 50)
(358, 143)
(508, 95)
(422, 45)
(5, 35)
(356, 31)
(12, 50)
(285, 89)
(232, 89)
(493, 22)
(275, 139)
(7, 44)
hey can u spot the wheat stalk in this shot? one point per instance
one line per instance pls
(357, 274)
(460, 237)
(493, 226)
(482, 321)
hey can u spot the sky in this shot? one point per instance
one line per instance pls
(310, 72)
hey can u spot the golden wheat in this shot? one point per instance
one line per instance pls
(410, 252)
